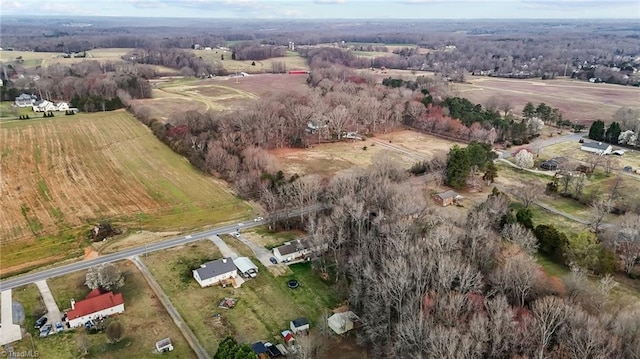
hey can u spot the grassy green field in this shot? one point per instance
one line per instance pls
(33, 59)
(144, 321)
(265, 305)
(68, 172)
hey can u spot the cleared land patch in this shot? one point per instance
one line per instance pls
(61, 174)
(144, 321)
(578, 101)
(404, 147)
(292, 61)
(264, 305)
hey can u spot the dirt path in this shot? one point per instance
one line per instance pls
(173, 312)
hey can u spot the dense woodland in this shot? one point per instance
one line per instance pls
(424, 284)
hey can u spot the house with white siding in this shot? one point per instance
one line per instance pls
(293, 250)
(597, 147)
(25, 100)
(215, 272)
(96, 305)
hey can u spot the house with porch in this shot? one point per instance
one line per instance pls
(215, 272)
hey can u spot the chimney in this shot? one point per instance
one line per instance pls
(224, 260)
(73, 304)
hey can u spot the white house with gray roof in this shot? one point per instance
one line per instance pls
(214, 272)
(597, 147)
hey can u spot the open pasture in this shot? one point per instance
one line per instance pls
(62, 174)
(403, 147)
(292, 61)
(578, 101)
(33, 59)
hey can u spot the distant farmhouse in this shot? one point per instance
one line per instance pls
(597, 147)
(25, 100)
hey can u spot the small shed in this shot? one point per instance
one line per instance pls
(341, 323)
(299, 325)
(447, 198)
(287, 336)
(164, 345)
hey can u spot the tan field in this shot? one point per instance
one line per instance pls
(292, 61)
(578, 101)
(61, 175)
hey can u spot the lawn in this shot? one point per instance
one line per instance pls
(69, 172)
(265, 304)
(269, 239)
(145, 321)
(33, 59)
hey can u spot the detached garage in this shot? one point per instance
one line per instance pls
(245, 266)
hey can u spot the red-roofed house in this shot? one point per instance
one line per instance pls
(96, 305)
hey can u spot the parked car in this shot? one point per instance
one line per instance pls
(44, 331)
(40, 322)
(258, 219)
(236, 234)
(59, 327)
(273, 260)
(627, 169)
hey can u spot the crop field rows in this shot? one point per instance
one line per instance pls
(62, 174)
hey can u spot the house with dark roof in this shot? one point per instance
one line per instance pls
(597, 147)
(96, 305)
(553, 163)
(215, 272)
(293, 250)
(447, 198)
(25, 100)
(299, 325)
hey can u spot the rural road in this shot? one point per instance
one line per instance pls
(29, 278)
(543, 143)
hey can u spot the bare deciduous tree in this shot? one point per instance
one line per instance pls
(104, 276)
(550, 314)
(516, 278)
(598, 209)
(521, 236)
(627, 240)
(528, 192)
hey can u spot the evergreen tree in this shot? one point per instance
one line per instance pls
(596, 131)
(613, 133)
(458, 167)
(529, 111)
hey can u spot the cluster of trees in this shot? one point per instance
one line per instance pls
(427, 286)
(624, 130)
(105, 277)
(251, 50)
(188, 62)
(230, 349)
(88, 85)
(464, 165)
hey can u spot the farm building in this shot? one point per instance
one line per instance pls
(214, 272)
(447, 198)
(25, 100)
(553, 163)
(299, 325)
(341, 323)
(597, 147)
(245, 266)
(292, 250)
(96, 305)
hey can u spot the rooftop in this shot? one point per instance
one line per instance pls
(448, 194)
(302, 321)
(294, 246)
(215, 268)
(95, 304)
(596, 145)
(245, 264)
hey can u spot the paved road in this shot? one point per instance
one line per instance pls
(543, 143)
(21, 280)
(53, 312)
(173, 312)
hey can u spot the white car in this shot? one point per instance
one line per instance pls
(258, 219)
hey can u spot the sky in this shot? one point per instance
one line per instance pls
(332, 9)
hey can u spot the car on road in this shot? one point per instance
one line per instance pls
(236, 234)
(40, 322)
(44, 331)
(59, 327)
(258, 219)
(240, 224)
(273, 260)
